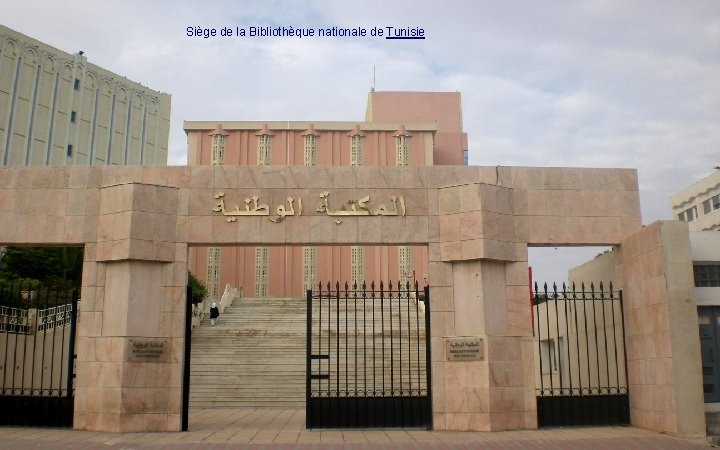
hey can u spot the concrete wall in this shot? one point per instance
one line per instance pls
(597, 270)
(37, 361)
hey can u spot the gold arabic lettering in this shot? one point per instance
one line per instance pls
(382, 210)
(353, 207)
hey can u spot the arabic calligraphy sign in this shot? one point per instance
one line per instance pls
(353, 207)
(148, 350)
(464, 349)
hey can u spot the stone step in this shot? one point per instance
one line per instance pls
(255, 355)
(230, 390)
(320, 319)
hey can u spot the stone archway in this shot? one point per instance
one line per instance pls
(136, 224)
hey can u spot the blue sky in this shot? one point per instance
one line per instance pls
(586, 83)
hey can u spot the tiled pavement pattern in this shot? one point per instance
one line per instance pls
(284, 429)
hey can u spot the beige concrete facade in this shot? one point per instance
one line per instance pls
(137, 224)
(699, 204)
(59, 109)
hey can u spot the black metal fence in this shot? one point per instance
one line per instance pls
(368, 357)
(37, 341)
(581, 367)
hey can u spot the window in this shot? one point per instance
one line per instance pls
(707, 275)
(547, 356)
(263, 149)
(213, 272)
(218, 150)
(309, 267)
(73, 115)
(76, 84)
(357, 266)
(711, 204)
(688, 215)
(465, 157)
(401, 147)
(356, 150)
(311, 149)
(404, 264)
(261, 271)
(69, 149)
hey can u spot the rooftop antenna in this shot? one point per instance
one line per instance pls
(372, 89)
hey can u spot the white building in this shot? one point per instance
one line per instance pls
(56, 108)
(699, 204)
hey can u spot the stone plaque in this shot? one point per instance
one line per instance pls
(464, 349)
(148, 350)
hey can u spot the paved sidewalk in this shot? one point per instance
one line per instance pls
(284, 429)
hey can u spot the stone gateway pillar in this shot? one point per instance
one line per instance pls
(131, 331)
(493, 390)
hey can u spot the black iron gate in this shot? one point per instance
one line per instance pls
(186, 360)
(368, 357)
(581, 367)
(37, 342)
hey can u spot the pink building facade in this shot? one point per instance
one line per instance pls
(426, 128)
(443, 108)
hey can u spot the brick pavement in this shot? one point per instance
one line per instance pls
(284, 429)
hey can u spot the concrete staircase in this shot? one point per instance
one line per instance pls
(253, 357)
(387, 357)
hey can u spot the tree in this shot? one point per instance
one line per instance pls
(59, 267)
(70, 264)
(199, 291)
